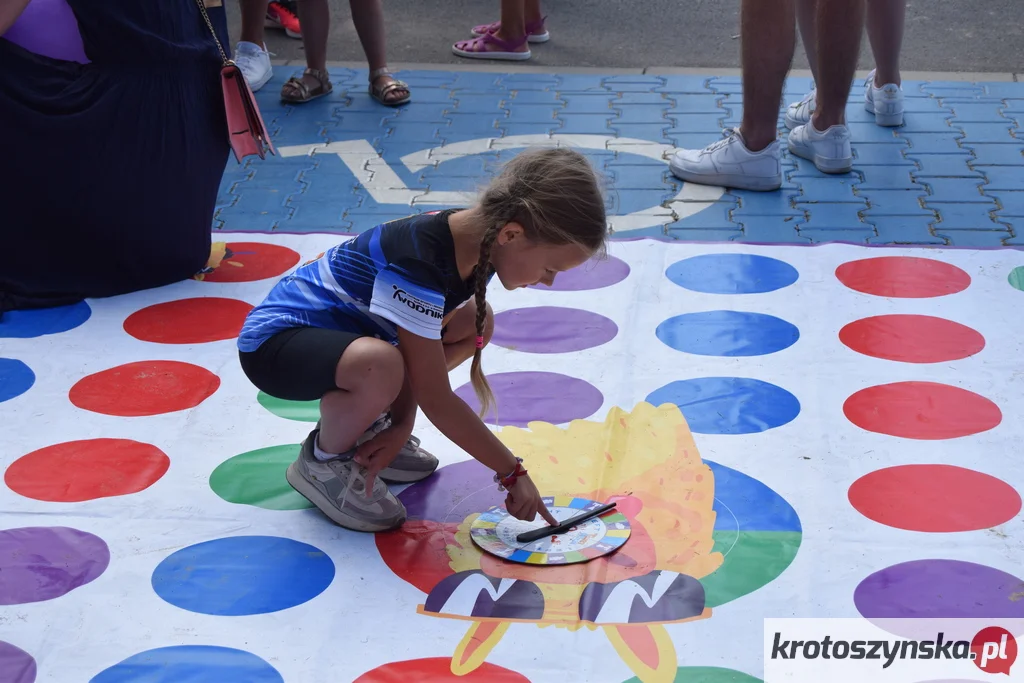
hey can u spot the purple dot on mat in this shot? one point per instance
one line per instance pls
(16, 665)
(45, 562)
(938, 589)
(594, 274)
(453, 493)
(551, 329)
(525, 397)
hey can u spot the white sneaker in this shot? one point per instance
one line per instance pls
(254, 63)
(799, 113)
(829, 150)
(728, 163)
(886, 103)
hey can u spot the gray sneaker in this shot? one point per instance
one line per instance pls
(338, 488)
(412, 463)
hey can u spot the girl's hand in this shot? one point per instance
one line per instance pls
(380, 451)
(524, 502)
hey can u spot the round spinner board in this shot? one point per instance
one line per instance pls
(495, 532)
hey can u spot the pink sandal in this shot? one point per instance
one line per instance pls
(480, 48)
(536, 32)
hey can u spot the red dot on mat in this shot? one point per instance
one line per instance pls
(911, 338)
(75, 471)
(934, 498)
(189, 321)
(921, 410)
(152, 387)
(247, 262)
(907, 277)
(439, 670)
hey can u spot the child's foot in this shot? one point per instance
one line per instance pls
(412, 463)
(535, 30)
(491, 46)
(338, 488)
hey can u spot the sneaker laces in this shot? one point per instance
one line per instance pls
(728, 134)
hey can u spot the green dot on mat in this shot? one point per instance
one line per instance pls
(1017, 278)
(257, 478)
(708, 674)
(302, 411)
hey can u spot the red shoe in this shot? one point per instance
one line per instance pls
(279, 15)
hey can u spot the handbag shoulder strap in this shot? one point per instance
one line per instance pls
(209, 24)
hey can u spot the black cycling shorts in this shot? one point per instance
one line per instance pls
(298, 364)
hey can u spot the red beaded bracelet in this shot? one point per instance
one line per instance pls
(508, 481)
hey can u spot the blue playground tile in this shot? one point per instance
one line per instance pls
(697, 123)
(507, 129)
(1012, 203)
(944, 165)
(639, 200)
(852, 235)
(586, 124)
(886, 178)
(716, 217)
(989, 132)
(1005, 89)
(641, 113)
(827, 190)
(704, 234)
(468, 102)
(518, 81)
(964, 216)
(902, 229)
(428, 133)
(588, 103)
(696, 104)
(468, 126)
(933, 143)
(316, 216)
(880, 154)
(974, 238)
(1003, 177)
(951, 190)
(895, 202)
(833, 217)
(952, 89)
(629, 84)
(532, 113)
(654, 132)
(655, 231)
(731, 85)
(642, 177)
(478, 81)
(771, 231)
(518, 98)
(582, 83)
(646, 99)
(973, 111)
(766, 204)
(870, 132)
(927, 122)
(683, 85)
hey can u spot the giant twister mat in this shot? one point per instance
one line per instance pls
(826, 431)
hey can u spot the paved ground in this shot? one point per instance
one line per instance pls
(942, 35)
(951, 176)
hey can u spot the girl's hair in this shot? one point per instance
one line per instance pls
(555, 194)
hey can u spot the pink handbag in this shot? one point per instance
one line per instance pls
(247, 133)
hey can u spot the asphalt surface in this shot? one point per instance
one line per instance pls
(941, 35)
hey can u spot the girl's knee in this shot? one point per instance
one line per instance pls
(369, 362)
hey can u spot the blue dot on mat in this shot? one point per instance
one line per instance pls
(15, 378)
(729, 405)
(242, 575)
(193, 663)
(727, 333)
(41, 321)
(732, 274)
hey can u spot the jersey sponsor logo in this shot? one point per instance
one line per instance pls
(417, 304)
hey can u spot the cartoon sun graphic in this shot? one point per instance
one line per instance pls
(702, 535)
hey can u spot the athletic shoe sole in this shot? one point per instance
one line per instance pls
(313, 495)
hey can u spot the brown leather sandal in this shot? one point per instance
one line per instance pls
(296, 91)
(380, 93)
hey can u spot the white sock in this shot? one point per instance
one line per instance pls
(322, 454)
